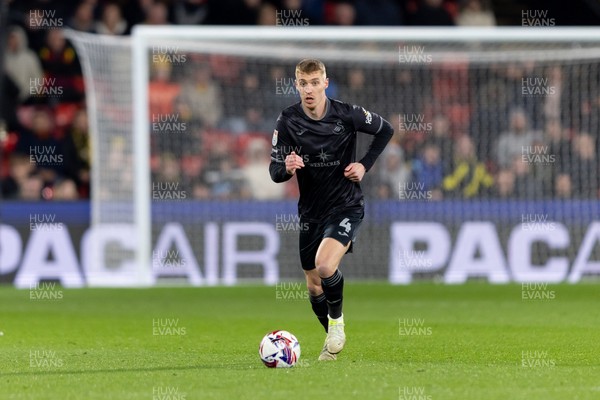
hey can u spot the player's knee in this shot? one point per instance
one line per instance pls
(325, 267)
(314, 289)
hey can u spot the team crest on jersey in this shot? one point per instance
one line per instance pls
(274, 140)
(368, 116)
(339, 128)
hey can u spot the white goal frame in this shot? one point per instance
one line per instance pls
(142, 37)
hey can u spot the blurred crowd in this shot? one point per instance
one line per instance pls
(462, 132)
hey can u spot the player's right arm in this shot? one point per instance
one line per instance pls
(283, 165)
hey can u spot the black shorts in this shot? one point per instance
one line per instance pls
(341, 226)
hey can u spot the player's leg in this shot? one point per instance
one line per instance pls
(316, 296)
(309, 243)
(340, 231)
(319, 306)
(329, 256)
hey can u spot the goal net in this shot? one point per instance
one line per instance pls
(492, 172)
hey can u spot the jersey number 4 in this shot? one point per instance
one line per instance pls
(346, 225)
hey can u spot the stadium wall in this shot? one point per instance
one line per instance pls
(232, 242)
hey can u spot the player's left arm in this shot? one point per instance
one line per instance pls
(372, 124)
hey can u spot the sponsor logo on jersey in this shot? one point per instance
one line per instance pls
(323, 156)
(368, 116)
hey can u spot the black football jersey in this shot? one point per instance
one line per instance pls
(326, 146)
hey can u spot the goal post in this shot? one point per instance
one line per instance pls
(416, 77)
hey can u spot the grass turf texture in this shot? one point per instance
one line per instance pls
(470, 345)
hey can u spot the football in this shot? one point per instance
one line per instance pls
(279, 349)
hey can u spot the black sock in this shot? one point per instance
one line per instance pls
(319, 306)
(333, 287)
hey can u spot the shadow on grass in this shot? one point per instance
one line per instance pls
(59, 371)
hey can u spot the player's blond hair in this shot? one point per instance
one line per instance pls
(310, 65)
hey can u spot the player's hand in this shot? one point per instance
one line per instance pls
(355, 172)
(293, 162)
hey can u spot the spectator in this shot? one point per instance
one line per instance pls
(440, 132)
(357, 91)
(83, 18)
(64, 189)
(512, 143)
(112, 22)
(394, 173)
(428, 172)
(378, 12)
(267, 15)
(475, 13)
(162, 90)
(10, 102)
(245, 113)
(344, 14)
(61, 66)
(490, 108)
(257, 182)
(156, 14)
(20, 169)
(168, 173)
(563, 187)
(77, 151)
(504, 187)
(44, 146)
(558, 144)
(432, 13)
(233, 12)
(469, 177)
(31, 188)
(526, 184)
(204, 96)
(585, 167)
(36, 25)
(190, 12)
(221, 174)
(22, 65)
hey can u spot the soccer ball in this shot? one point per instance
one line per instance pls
(279, 349)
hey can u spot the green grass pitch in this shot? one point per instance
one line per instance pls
(423, 342)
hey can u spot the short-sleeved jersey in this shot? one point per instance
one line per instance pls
(326, 146)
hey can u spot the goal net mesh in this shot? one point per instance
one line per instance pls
(499, 132)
